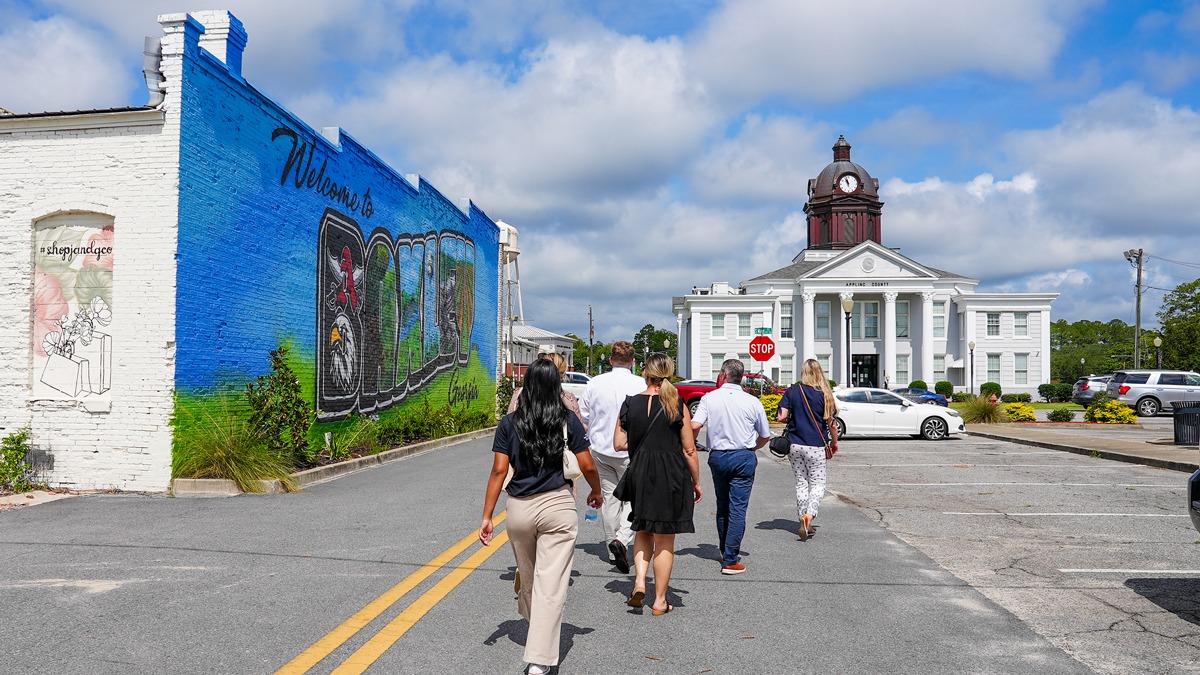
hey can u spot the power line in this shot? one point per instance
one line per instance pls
(1175, 262)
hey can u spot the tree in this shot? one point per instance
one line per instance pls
(1179, 321)
(650, 340)
(1104, 347)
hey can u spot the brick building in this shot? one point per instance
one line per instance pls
(173, 246)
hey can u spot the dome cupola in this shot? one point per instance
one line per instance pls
(843, 203)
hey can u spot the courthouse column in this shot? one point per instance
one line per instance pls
(889, 339)
(808, 344)
(926, 338)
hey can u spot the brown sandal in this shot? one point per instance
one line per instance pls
(635, 600)
(660, 612)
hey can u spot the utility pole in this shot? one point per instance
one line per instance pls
(1136, 258)
(591, 338)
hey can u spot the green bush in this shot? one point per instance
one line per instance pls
(961, 397)
(1064, 391)
(1016, 398)
(220, 443)
(918, 384)
(1048, 392)
(1110, 412)
(1100, 398)
(1020, 412)
(504, 393)
(280, 414)
(14, 470)
(424, 422)
(988, 388)
(944, 388)
(1061, 415)
(833, 384)
(980, 410)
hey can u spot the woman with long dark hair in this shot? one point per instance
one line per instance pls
(662, 482)
(542, 521)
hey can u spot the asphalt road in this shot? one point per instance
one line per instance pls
(136, 584)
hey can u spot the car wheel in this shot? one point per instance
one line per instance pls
(841, 426)
(1147, 407)
(933, 429)
(693, 405)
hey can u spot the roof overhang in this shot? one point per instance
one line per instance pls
(100, 119)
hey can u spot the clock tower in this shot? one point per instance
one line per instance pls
(843, 206)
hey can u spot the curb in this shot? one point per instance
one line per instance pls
(221, 487)
(1091, 452)
(1077, 425)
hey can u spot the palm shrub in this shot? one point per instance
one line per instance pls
(217, 442)
(1110, 412)
(980, 410)
(14, 470)
(1061, 415)
(279, 413)
(987, 389)
(918, 384)
(1020, 412)
(944, 388)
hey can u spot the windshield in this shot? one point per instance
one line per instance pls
(909, 394)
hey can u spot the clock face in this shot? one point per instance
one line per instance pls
(848, 183)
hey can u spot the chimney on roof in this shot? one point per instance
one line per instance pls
(224, 37)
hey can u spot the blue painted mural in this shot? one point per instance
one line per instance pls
(384, 291)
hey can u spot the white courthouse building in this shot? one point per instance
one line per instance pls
(908, 321)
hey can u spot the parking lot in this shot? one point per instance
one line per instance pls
(1097, 556)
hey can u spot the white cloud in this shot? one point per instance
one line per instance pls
(1054, 281)
(770, 160)
(57, 64)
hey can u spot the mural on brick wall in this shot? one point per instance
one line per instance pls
(72, 307)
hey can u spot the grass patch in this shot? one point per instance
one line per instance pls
(220, 442)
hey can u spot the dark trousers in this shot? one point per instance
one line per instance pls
(733, 477)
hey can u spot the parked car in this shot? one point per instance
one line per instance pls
(691, 391)
(922, 396)
(1152, 391)
(864, 411)
(1085, 389)
(575, 383)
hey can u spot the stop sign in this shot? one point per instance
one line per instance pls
(762, 348)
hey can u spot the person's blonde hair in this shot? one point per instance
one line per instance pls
(812, 375)
(558, 361)
(659, 369)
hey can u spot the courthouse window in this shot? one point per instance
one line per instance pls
(1021, 369)
(822, 320)
(718, 328)
(993, 368)
(785, 319)
(939, 367)
(743, 325)
(717, 360)
(864, 320)
(745, 359)
(901, 370)
(785, 370)
(939, 319)
(823, 361)
(849, 222)
(1021, 324)
(993, 326)
(902, 319)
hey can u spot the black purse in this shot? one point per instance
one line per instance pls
(780, 446)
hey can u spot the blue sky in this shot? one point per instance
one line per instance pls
(643, 148)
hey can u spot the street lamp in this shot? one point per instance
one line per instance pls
(971, 346)
(848, 307)
(1158, 348)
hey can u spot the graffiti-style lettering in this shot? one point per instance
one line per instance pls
(392, 314)
(299, 165)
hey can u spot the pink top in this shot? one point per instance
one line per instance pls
(568, 400)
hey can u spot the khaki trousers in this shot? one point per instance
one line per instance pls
(542, 531)
(614, 514)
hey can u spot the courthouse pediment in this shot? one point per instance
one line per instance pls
(871, 261)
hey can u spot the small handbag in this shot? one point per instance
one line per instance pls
(571, 469)
(781, 445)
(828, 452)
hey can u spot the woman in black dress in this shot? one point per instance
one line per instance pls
(663, 478)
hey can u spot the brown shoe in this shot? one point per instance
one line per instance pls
(736, 568)
(804, 529)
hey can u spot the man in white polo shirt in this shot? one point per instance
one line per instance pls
(737, 427)
(599, 408)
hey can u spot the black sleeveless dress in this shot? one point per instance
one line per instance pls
(658, 480)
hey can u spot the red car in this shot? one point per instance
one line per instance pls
(691, 390)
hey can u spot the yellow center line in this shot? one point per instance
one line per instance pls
(326, 645)
(385, 638)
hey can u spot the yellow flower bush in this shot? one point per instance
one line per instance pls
(771, 405)
(1020, 412)
(1110, 412)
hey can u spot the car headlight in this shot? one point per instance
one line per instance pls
(953, 413)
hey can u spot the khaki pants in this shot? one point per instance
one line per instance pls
(614, 514)
(542, 531)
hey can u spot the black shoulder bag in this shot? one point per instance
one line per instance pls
(781, 445)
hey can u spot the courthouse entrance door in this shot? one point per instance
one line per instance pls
(864, 370)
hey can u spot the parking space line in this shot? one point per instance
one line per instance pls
(335, 638)
(1114, 571)
(1101, 515)
(973, 466)
(389, 634)
(953, 452)
(1122, 485)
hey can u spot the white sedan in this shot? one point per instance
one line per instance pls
(575, 383)
(864, 411)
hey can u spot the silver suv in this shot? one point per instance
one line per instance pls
(1150, 391)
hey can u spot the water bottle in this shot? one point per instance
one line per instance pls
(590, 514)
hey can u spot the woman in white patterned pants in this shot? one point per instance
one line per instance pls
(808, 408)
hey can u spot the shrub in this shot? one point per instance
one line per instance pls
(944, 388)
(1020, 412)
(833, 384)
(1110, 412)
(1064, 391)
(219, 443)
(1100, 398)
(771, 405)
(979, 410)
(988, 388)
(1061, 415)
(961, 397)
(918, 384)
(14, 470)
(504, 393)
(280, 415)
(1016, 398)
(425, 422)
(1048, 392)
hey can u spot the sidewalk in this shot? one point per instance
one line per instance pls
(1176, 457)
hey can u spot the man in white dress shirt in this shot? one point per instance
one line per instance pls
(599, 409)
(737, 427)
